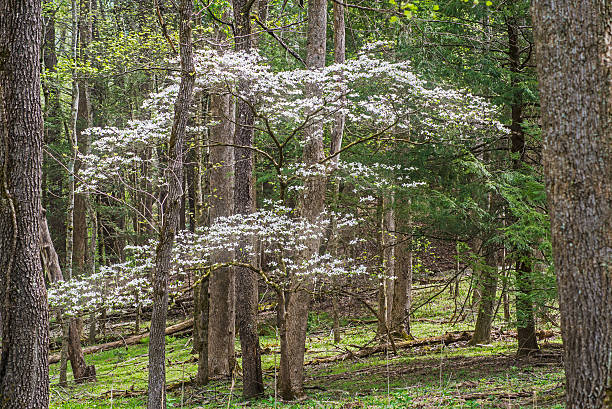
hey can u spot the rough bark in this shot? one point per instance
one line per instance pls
(244, 203)
(221, 282)
(574, 59)
(171, 208)
(24, 372)
(312, 203)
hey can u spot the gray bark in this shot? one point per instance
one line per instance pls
(574, 60)
(336, 145)
(171, 208)
(402, 292)
(221, 282)
(244, 203)
(312, 204)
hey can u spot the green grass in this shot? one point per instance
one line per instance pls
(427, 377)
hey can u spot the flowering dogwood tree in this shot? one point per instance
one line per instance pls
(383, 102)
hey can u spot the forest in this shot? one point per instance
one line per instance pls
(305, 204)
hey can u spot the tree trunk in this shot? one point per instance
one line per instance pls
(71, 133)
(312, 204)
(24, 370)
(84, 121)
(63, 367)
(486, 309)
(244, 203)
(197, 330)
(53, 173)
(171, 207)
(402, 294)
(339, 58)
(382, 325)
(527, 340)
(80, 370)
(336, 145)
(71, 342)
(221, 282)
(574, 52)
(200, 321)
(387, 256)
(200, 138)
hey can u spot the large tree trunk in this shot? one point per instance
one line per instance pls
(244, 203)
(171, 208)
(24, 371)
(312, 204)
(221, 282)
(574, 53)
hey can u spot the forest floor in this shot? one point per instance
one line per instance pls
(426, 376)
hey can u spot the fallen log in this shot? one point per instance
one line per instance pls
(448, 338)
(492, 395)
(133, 340)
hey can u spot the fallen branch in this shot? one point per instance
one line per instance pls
(448, 338)
(135, 393)
(133, 340)
(495, 395)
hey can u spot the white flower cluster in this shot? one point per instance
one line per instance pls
(274, 235)
(376, 96)
(116, 288)
(376, 177)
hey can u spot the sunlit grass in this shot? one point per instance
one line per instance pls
(430, 376)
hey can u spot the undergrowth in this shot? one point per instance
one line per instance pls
(437, 376)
